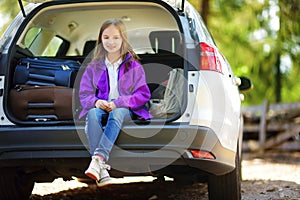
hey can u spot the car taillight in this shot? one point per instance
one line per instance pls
(197, 153)
(209, 59)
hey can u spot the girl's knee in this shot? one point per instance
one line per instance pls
(118, 111)
(92, 112)
(95, 113)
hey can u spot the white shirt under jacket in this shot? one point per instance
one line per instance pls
(113, 70)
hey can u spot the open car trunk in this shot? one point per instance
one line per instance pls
(66, 34)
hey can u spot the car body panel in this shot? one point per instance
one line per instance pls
(216, 107)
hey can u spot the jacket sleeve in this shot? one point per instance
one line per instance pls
(139, 93)
(87, 90)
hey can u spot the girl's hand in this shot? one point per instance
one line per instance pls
(102, 104)
(112, 106)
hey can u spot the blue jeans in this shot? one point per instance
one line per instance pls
(101, 140)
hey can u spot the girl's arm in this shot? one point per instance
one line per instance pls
(87, 90)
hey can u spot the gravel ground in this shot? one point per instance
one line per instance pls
(268, 176)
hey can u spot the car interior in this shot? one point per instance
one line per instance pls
(62, 32)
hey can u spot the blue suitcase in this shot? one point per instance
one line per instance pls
(46, 72)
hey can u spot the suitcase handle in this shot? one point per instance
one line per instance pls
(41, 77)
(40, 105)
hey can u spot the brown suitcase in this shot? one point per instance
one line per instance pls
(41, 103)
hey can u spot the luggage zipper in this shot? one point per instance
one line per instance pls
(64, 67)
(19, 88)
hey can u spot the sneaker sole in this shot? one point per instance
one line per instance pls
(104, 182)
(92, 176)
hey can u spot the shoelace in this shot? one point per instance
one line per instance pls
(104, 166)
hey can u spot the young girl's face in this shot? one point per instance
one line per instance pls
(112, 39)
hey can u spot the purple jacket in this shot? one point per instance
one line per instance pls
(133, 89)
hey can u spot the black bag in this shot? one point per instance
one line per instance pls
(46, 72)
(41, 103)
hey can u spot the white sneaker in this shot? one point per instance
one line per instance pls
(94, 169)
(104, 175)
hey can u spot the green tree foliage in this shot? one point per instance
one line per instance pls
(9, 9)
(289, 43)
(259, 37)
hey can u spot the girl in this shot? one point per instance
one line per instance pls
(113, 87)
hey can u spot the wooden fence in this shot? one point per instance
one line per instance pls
(275, 126)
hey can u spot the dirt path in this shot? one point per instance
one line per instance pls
(272, 175)
(265, 176)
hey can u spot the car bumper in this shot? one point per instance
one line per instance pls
(154, 147)
(139, 148)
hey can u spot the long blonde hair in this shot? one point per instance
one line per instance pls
(100, 52)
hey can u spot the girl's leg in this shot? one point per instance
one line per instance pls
(93, 128)
(112, 129)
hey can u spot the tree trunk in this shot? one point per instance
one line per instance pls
(278, 79)
(204, 10)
